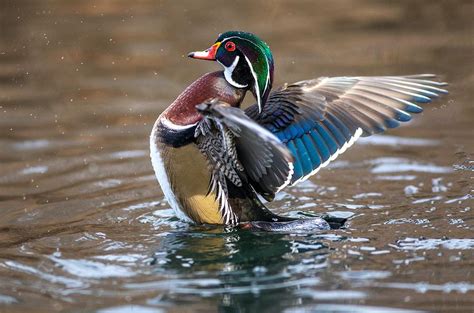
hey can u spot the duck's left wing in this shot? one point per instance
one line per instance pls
(240, 151)
(319, 119)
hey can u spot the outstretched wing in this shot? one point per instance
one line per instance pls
(319, 119)
(239, 151)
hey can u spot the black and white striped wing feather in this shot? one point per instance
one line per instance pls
(239, 151)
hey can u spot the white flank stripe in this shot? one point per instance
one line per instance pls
(163, 180)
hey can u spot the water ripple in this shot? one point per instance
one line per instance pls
(432, 244)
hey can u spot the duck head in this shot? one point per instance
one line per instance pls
(247, 62)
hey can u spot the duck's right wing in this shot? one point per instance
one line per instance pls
(319, 119)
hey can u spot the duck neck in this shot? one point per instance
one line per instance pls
(182, 112)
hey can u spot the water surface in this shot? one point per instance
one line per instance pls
(84, 227)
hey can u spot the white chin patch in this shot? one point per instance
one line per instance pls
(228, 70)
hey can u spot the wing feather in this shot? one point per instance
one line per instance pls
(246, 151)
(319, 119)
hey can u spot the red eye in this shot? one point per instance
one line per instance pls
(230, 46)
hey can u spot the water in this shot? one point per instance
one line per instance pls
(84, 226)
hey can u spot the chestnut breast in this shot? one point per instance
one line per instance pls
(211, 85)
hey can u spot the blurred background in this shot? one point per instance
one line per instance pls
(84, 226)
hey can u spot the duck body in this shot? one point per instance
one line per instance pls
(213, 159)
(180, 168)
(183, 170)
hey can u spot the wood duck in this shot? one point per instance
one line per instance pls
(213, 159)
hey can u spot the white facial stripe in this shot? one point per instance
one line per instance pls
(170, 125)
(257, 88)
(268, 75)
(228, 73)
(162, 176)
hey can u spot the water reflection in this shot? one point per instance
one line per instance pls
(238, 252)
(236, 265)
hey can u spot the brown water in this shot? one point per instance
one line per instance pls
(84, 226)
